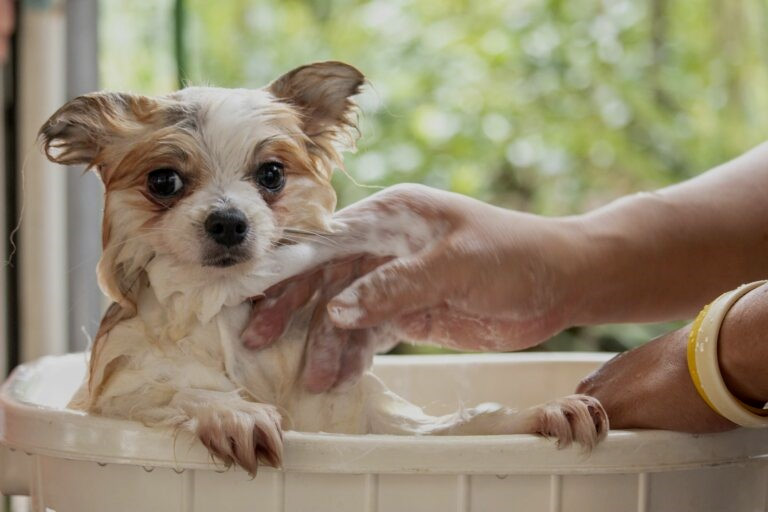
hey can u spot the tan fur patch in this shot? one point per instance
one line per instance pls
(308, 199)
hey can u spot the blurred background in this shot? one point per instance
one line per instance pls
(549, 106)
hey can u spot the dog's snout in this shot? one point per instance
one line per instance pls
(227, 227)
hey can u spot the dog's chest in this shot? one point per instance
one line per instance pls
(274, 375)
(174, 348)
(271, 374)
(206, 354)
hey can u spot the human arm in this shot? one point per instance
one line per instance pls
(505, 280)
(507, 300)
(650, 387)
(659, 256)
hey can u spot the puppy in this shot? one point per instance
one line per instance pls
(202, 186)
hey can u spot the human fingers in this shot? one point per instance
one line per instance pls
(458, 330)
(394, 288)
(327, 344)
(324, 354)
(356, 357)
(270, 315)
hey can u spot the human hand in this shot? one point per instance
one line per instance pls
(466, 275)
(334, 356)
(649, 387)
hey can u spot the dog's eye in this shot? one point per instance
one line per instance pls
(164, 183)
(271, 175)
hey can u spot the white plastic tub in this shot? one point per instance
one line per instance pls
(70, 462)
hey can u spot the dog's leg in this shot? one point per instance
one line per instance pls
(161, 385)
(235, 430)
(575, 418)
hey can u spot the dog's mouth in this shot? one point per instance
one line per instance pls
(226, 258)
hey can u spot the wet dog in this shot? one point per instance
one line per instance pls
(201, 187)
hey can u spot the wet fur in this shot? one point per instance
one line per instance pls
(168, 351)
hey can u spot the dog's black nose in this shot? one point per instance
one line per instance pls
(227, 227)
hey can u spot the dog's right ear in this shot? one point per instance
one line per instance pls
(80, 130)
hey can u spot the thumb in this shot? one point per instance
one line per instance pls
(400, 286)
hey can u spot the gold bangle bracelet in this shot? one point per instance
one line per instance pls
(704, 367)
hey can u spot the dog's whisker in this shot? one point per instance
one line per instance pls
(298, 240)
(299, 231)
(141, 236)
(118, 245)
(312, 236)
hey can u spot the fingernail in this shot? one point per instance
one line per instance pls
(345, 310)
(251, 339)
(347, 297)
(259, 335)
(345, 316)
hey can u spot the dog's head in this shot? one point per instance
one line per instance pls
(209, 177)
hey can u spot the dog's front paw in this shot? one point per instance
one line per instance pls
(574, 418)
(244, 435)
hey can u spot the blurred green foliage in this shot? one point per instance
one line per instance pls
(550, 106)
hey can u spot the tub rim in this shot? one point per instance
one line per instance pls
(60, 433)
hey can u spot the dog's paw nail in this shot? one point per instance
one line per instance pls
(576, 418)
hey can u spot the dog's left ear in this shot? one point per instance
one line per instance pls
(322, 93)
